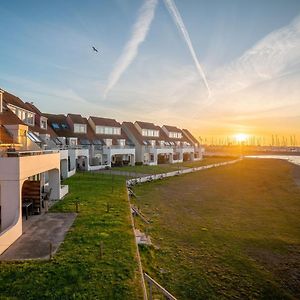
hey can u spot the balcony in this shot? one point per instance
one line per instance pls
(11, 153)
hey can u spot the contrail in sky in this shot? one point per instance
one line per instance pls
(139, 33)
(181, 27)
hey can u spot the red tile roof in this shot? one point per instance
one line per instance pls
(140, 138)
(33, 108)
(105, 122)
(13, 100)
(7, 117)
(147, 125)
(190, 136)
(76, 118)
(172, 128)
(5, 136)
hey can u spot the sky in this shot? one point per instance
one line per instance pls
(216, 67)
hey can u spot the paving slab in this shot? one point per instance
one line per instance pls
(38, 232)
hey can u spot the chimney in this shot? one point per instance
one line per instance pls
(1, 100)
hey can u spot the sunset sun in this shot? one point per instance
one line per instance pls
(241, 137)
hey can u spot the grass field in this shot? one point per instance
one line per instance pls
(164, 168)
(229, 232)
(76, 271)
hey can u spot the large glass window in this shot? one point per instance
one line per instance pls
(150, 132)
(80, 128)
(108, 130)
(175, 135)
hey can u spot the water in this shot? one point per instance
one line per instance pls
(291, 158)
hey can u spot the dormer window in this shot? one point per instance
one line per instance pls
(80, 128)
(150, 132)
(175, 135)
(24, 115)
(43, 123)
(108, 130)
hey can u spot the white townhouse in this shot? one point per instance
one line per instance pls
(155, 144)
(26, 170)
(115, 148)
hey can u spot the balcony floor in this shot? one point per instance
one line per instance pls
(38, 232)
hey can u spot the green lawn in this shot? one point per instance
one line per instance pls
(231, 232)
(164, 168)
(76, 272)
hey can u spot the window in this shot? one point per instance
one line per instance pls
(72, 141)
(84, 142)
(97, 142)
(80, 128)
(57, 141)
(55, 126)
(64, 126)
(33, 137)
(150, 132)
(108, 142)
(43, 123)
(175, 135)
(29, 118)
(122, 142)
(108, 130)
(152, 142)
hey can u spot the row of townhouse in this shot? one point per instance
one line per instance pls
(37, 150)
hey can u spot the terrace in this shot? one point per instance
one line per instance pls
(27, 174)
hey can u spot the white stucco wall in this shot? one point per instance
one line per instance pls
(13, 172)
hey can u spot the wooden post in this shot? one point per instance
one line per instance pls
(77, 207)
(150, 290)
(50, 250)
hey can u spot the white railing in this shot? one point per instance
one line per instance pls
(161, 289)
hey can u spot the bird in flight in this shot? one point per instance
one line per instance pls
(94, 49)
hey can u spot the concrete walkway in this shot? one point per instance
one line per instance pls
(38, 232)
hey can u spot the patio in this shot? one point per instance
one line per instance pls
(38, 232)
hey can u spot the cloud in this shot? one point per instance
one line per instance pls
(181, 27)
(139, 33)
(275, 55)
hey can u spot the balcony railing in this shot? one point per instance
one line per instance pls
(29, 153)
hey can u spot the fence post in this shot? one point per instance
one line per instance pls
(150, 290)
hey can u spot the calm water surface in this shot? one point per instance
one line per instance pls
(290, 158)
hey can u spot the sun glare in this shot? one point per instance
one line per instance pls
(241, 137)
